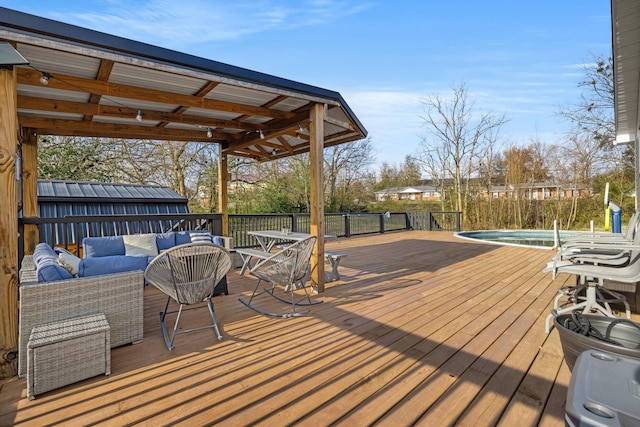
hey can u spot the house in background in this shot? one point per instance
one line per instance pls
(536, 191)
(551, 190)
(422, 192)
(498, 192)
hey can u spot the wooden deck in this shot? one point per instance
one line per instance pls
(423, 329)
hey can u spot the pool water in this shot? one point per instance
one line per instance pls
(536, 238)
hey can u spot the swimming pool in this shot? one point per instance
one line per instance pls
(536, 238)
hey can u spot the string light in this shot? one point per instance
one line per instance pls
(44, 78)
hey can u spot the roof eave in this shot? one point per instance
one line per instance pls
(45, 27)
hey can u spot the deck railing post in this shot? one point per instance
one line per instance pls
(77, 238)
(381, 223)
(347, 226)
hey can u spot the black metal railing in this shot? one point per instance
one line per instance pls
(336, 224)
(70, 230)
(434, 221)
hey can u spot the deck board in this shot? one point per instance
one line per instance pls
(424, 328)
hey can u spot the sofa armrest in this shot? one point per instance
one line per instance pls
(118, 296)
(28, 270)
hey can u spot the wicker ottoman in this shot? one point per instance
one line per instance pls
(63, 352)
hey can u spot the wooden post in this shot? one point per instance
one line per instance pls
(223, 194)
(30, 188)
(316, 149)
(8, 224)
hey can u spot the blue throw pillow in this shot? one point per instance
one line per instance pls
(165, 240)
(50, 271)
(217, 240)
(183, 237)
(102, 246)
(111, 264)
(197, 237)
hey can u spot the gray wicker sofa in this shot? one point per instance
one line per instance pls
(118, 296)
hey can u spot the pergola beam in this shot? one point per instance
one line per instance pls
(132, 93)
(71, 107)
(108, 130)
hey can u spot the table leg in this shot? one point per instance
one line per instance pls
(334, 275)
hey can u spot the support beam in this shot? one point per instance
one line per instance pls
(316, 149)
(223, 194)
(31, 235)
(8, 224)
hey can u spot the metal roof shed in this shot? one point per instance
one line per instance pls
(59, 199)
(62, 198)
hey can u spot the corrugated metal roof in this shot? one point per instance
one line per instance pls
(58, 199)
(101, 190)
(98, 82)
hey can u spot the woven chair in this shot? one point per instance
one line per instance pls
(188, 274)
(286, 268)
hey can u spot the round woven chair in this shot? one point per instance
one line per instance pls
(287, 268)
(188, 274)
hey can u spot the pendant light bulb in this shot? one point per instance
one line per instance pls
(44, 78)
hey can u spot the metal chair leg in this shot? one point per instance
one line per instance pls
(168, 340)
(213, 316)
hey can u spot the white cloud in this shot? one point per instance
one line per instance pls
(176, 24)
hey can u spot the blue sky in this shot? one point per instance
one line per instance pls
(518, 58)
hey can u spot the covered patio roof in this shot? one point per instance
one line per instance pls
(80, 82)
(101, 85)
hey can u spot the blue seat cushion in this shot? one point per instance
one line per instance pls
(111, 264)
(42, 252)
(102, 246)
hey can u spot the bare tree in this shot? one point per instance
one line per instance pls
(75, 158)
(344, 164)
(593, 113)
(174, 164)
(457, 135)
(436, 163)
